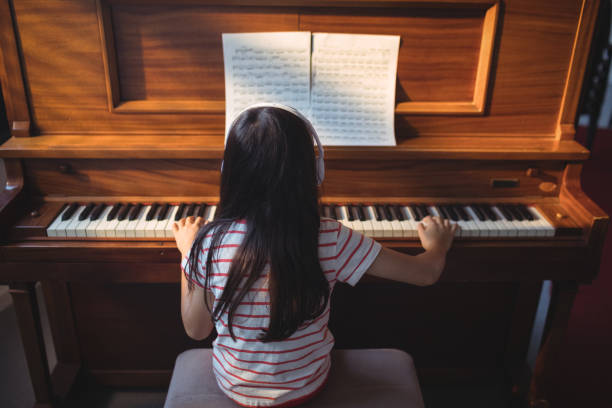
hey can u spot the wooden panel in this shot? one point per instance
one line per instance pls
(149, 317)
(175, 54)
(390, 178)
(528, 77)
(442, 52)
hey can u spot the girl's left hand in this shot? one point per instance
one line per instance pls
(185, 232)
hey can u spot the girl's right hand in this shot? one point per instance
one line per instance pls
(436, 234)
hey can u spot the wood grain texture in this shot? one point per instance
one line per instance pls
(364, 178)
(11, 75)
(578, 62)
(207, 146)
(527, 82)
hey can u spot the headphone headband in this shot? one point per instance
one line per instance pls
(309, 127)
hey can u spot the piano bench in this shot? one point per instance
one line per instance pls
(357, 379)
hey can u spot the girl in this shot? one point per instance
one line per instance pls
(263, 270)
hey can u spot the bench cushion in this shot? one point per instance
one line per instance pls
(358, 378)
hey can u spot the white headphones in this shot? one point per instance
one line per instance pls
(320, 160)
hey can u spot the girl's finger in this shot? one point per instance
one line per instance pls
(175, 227)
(446, 223)
(199, 221)
(190, 219)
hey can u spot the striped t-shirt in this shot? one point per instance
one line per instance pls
(286, 372)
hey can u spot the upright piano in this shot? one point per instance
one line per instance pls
(116, 111)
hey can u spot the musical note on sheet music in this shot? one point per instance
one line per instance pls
(266, 67)
(353, 88)
(349, 95)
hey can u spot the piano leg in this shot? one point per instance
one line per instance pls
(546, 367)
(28, 316)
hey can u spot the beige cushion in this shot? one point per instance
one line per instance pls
(358, 378)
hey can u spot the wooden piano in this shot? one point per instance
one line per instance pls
(122, 102)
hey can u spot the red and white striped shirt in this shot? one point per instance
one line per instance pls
(279, 373)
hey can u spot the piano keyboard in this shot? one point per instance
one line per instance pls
(475, 220)
(378, 221)
(124, 220)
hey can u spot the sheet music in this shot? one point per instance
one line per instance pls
(266, 67)
(353, 88)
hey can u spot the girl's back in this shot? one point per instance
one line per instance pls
(256, 373)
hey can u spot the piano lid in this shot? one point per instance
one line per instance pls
(107, 78)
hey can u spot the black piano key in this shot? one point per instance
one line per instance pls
(113, 212)
(398, 213)
(163, 212)
(135, 212)
(95, 214)
(361, 213)
(505, 212)
(417, 212)
(425, 210)
(525, 211)
(190, 210)
(388, 215)
(488, 210)
(463, 215)
(85, 213)
(70, 211)
(124, 212)
(332, 209)
(379, 212)
(326, 211)
(179, 213)
(453, 214)
(152, 211)
(201, 210)
(478, 211)
(515, 212)
(349, 210)
(443, 212)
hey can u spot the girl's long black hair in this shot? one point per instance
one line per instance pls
(269, 179)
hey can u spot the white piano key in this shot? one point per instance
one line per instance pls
(151, 225)
(160, 228)
(484, 228)
(377, 227)
(409, 224)
(212, 210)
(368, 228)
(469, 228)
(521, 227)
(342, 213)
(92, 228)
(74, 222)
(168, 228)
(357, 224)
(141, 222)
(56, 229)
(546, 227)
(386, 226)
(507, 228)
(396, 226)
(130, 227)
(107, 228)
(120, 230)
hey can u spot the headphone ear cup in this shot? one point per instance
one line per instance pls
(320, 170)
